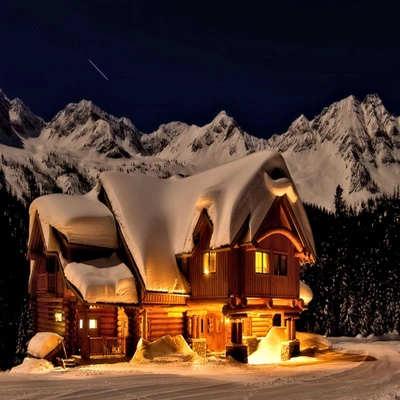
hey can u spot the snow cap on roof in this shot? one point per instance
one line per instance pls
(157, 217)
(103, 280)
(81, 219)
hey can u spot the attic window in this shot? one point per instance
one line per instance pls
(277, 173)
(280, 264)
(209, 262)
(262, 263)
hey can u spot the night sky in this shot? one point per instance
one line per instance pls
(264, 62)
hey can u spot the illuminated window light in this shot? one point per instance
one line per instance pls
(262, 263)
(92, 323)
(58, 316)
(209, 262)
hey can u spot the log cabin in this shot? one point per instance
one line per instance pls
(215, 257)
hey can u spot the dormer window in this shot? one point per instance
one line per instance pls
(262, 263)
(209, 262)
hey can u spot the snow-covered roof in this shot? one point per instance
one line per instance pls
(157, 217)
(103, 280)
(82, 219)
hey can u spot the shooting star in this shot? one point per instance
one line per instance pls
(91, 62)
(34, 25)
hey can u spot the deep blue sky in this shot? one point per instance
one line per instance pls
(264, 62)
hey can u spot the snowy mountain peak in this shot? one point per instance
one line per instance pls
(373, 99)
(24, 122)
(84, 126)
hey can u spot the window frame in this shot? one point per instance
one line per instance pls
(208, 266)
(265, 256)
(280, 255)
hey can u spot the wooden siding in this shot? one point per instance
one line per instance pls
(47, 306)
(270, 285)
(212, 285)
(260, 326)
(164, 323)
(163, 298)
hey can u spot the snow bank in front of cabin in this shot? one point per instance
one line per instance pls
(43, 343)
(103, 280)
(158, 216)
(82, 219)
(313, 341)
(33, 365)
(269, 349)
(166, 348)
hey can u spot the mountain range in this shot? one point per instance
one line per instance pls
(351, 143)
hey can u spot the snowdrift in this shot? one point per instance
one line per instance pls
(269, 349)
(33, 365)
(43, 343)
(166, 347)
(313, 341)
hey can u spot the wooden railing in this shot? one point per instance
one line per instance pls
(105, 346)
(46, 282)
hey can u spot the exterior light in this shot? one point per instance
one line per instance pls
(58, 316)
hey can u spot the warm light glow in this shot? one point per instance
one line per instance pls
(209, 262)
(58, 317)
(80, 324)
(262, 263)
(92, 323)
(228, 320)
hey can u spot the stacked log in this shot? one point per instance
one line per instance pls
(160, 324)
(261, 326)
(46, 309)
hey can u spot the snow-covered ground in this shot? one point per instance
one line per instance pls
(355, 369)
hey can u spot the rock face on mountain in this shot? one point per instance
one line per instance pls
(350, 143)
(7, 134)
(86, 127)
(23, 121)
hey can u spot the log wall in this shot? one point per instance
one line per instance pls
(164, 323)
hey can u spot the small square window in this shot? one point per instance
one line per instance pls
(58, 316)
(262, 262)
(92, 323)
(210, 262)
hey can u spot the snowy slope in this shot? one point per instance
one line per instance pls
(205, 147)
(351, 143)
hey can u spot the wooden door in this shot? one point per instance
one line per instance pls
(212, 328)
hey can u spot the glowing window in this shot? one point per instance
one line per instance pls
(280, 264)
(92, 323)
(209, 262)
(262, 263)
(58, 317)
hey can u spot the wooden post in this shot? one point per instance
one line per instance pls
(145, 330)
(85, 353)
(240, 332)
(234, 334)
(293, 321)
(195, 335)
